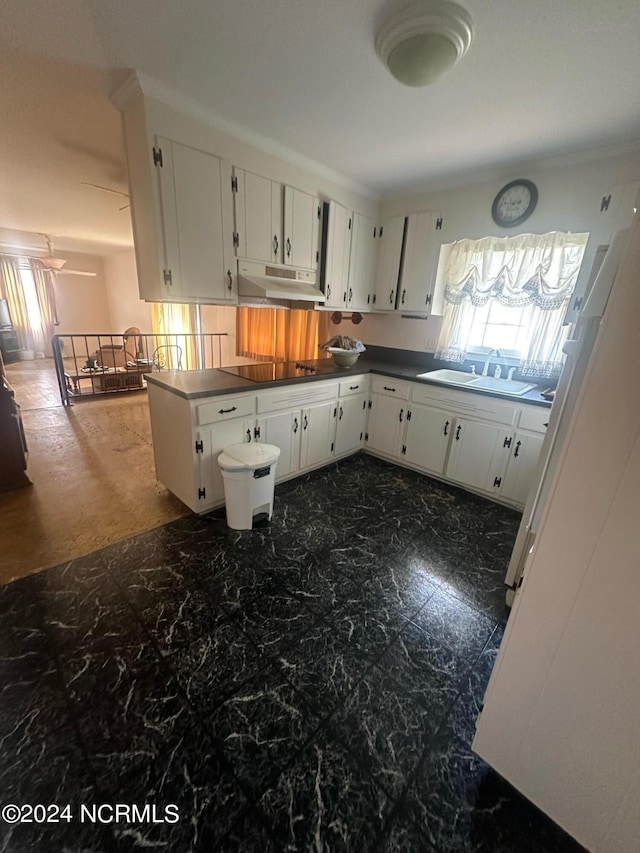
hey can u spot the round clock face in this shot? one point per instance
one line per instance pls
(514, 203)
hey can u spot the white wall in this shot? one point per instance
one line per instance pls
(570, 196)
(126, 307)
(82, 302)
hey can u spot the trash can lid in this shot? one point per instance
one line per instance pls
(248, 455)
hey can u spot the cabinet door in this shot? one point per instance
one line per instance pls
(386, 424)
(428, 434)
(213, 440)
(336, 283)
(318, 434)
(390, 239)
(523, 459)
(361, 262)
(478, 454)
(283, 430)
(197, 223)
(352, 422)
(301, 221)
(258, 217)
(421, 251)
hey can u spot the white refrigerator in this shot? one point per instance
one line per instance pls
(561, 715)
(578, 350)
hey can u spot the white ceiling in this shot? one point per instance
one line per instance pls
(541, 78)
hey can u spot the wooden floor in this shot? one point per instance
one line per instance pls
(92, 471)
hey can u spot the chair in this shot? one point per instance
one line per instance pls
(164, 353)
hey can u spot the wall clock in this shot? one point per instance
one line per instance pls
(515, 202)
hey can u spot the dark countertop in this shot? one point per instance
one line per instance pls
(192, 384)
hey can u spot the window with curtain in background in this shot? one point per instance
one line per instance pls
(28, 288)
(176, 328)
(270, 334)
(511, 294)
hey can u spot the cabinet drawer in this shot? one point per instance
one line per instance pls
(465, 403)
(391, 387)
(224, 409)
(534, 418)
(355, 385)
(297, 396)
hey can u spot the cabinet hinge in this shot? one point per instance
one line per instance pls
(202, 493)
(256, 432)
(157, 157)
(370, 403)
(439, 224)
(168, 278)
(404, 449)
(332, 447)
(234, 184)
(507, 441)
(497, 482)
(199, 447)
(236, 239)
(409, 415)
(604, 204)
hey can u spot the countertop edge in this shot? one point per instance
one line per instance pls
(237, 385)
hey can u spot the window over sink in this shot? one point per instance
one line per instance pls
(511, 294)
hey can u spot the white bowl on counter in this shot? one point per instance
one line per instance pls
(344, 357)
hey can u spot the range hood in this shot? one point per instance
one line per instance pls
(274, 286)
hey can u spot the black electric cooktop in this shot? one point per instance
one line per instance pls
(269, 371)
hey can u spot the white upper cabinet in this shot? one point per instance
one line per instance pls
(408, 251)
(258, 217)
(390, 241)
(301, 224)
(361, 284)
(421, 251)
(336, 249)
(194, 192)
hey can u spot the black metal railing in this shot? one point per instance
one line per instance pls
(92, 365)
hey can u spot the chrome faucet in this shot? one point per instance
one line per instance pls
(485, 369)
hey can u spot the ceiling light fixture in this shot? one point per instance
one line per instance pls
(422, 41)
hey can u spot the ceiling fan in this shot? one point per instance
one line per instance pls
(57, 265)
(108, 190)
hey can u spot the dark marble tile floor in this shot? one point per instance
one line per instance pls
(311, 685)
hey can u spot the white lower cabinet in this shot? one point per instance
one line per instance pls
(478, 454)
(318, 434)
(427, 438)
(283, 430)
(209, 444)
(525, 450)
(386, 425)
(351, 424)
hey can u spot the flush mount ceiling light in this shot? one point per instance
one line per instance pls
(422, 41)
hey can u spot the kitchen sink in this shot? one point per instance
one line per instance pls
(505, 386)
(452, 377)
(478, 383)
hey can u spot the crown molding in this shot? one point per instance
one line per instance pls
(138, 83)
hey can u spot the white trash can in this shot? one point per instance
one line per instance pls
(249, 476)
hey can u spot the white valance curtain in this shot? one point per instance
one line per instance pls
(535, 270)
